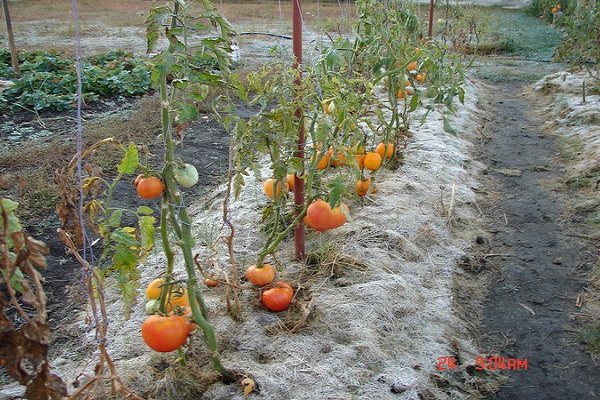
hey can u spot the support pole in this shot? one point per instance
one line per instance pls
(430, 33)
(299, 231)
(11, 40)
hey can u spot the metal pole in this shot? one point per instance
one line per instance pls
(299, 231)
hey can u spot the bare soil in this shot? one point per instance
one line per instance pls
(540, 265)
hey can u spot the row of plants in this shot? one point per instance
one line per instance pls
(579, 20)
(356, 105)
(48, 80)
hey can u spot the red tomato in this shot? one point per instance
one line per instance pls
(150, 187)
(279, 297)
(260, 276)
(165, 334)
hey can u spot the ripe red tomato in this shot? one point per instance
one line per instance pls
(279, 297)
(165, 334)
(150, 187)
(260, 276)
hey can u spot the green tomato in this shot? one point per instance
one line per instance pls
(152, 306)
(186, 175)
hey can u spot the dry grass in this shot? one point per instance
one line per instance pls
(34, 162)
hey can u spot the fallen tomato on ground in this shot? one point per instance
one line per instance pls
(279, 297)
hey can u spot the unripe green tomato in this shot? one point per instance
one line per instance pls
(152, 306)
(186, 175)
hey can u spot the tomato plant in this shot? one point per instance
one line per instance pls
(165, 334)
(260, 276)
(278, 297)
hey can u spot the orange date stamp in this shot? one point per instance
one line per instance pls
(492, 363)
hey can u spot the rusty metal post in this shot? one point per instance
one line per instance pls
(430, 33)
(299, 232)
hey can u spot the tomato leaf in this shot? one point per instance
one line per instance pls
(186, 112)
(13, 222)
(147, 232)
(115, 219)
(414, 103)
(145, 210)
(448, 128)
(337, 187)
(121, 236)
(130, 161)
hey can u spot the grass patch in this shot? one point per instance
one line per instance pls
(519, 34)
(589, 336)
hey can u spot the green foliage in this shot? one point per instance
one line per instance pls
(579, 21)
(49, 79)
(581, 45)
(348, 100)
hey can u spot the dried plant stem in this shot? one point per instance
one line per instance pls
(95, 385)
(235, 309)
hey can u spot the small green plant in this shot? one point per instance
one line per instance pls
(49, 80)
(589, 336)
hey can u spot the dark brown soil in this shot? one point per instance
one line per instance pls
(539, 265)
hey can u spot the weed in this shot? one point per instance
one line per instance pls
(589, 336)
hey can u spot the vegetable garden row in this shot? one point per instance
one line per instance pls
(358, 103)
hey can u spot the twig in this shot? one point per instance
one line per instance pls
(502, 255)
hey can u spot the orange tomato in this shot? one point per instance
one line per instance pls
(385, 150)
(291, 181)
(137, 179)
(321, 217)
(150, 187)
(420, 77)
(326, 157)
(372, 161)
(362, 187)
(412, 66)
(260, 276)
(154, 288)
(212, 282)
(360, 160)
(279, 297)
(338, 159)
(165, 334)
(273, 188)
(179, 298)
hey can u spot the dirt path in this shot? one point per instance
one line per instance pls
(529, 312)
